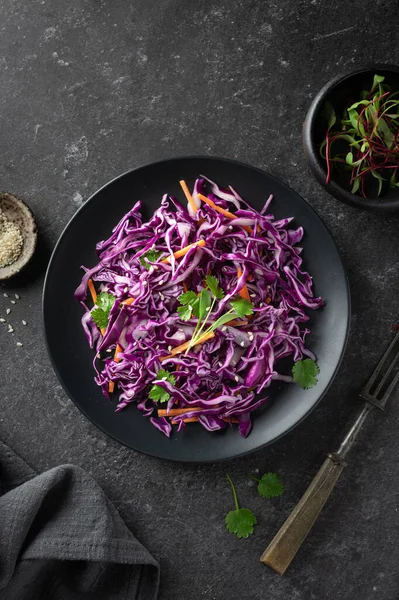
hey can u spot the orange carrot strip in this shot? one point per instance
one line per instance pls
(188, 195)
(174, 412)
(118, 350)
(92, 290)
(237, 323)
(185, 288)
(129, 301)
(244, 290)
(195, 420)
(222, 211)
(184, 251)
(183, 347)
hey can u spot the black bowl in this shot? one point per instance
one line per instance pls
(341, 92)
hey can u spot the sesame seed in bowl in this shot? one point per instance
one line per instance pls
(18, 235)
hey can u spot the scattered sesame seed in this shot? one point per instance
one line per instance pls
(224, 328)
(108, 350)
(169, 348)
(24, 322)
(8, 310)
(242, 344)
(208, 308)
(251, 336)
(17, 296)
(5, 295)
(19, 344)
(261, 304)
(126, 289)
(220, 364)
(98, 355)
(157, 347)
(10, 329)
(161, 295)
(13, 302)
(236, 378)
(253, 295)
(2, 320)
(160, 282)
(145, 282)
(230, 227)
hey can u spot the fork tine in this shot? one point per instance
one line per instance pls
(390, 389)
(386, 375)
(381, 364)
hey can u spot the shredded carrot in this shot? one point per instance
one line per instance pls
(175, 412)
(268, 300)
(185, 288)
(195, 420)
(183, 347)
(118, 350)
(222, 211)
(237, 323)
(244, 290)
(187, 194)
(92, 290)
(129, 301)
(184, 251)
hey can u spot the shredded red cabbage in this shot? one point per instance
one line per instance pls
(220, 379)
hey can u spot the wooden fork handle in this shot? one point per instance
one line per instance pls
(286, 543)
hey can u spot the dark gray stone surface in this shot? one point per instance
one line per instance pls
(90, 89)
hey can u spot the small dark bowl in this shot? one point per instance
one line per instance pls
(341, 92)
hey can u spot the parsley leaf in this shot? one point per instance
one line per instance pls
(158, 393)
(185, 312)
(204, 303)
(305, 373)
(104, 303)
(190, 305)
(214, 287)
(152, 256)
(242, 307)
(270, 486)
(240, 521)
(187, 298)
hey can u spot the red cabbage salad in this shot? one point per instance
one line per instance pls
(190, 313)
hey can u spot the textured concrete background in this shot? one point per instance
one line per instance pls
(90, 89)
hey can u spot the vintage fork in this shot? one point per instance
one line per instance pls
(286, 543)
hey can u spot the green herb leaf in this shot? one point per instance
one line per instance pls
(157, 393)
(185, 312)
(188, 298)
(224, 319)
(305, 373)
(214, 287)
(329, 112)
(270, 486)
(377, 79)
(104, 304)
(392, 180)
(152, 256)
(100, 318)
(355, 186)
(386, 133)
(242, 307)
(204, 303)
(240, 521)
(380, 180)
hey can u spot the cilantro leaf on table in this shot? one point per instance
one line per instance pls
(214, 287)
(305, 373)
(242, 307)
(100, 314)
(158, 393)
(240, 521)
(150, 255)
(269, 485)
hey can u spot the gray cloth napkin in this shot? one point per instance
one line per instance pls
(62, 539)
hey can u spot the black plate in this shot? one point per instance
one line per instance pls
(72, 357)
